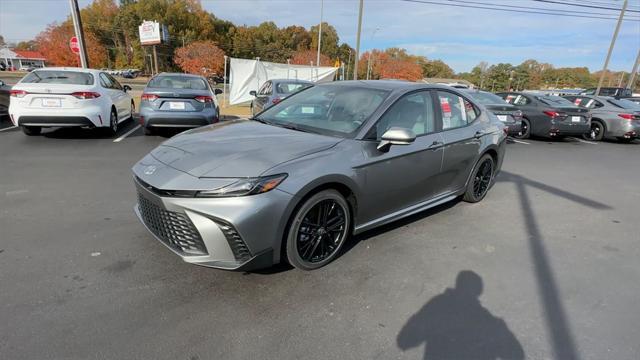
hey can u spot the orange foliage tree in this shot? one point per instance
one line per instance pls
(387, 66)
(200, 57)
(305, 57)
(53, 43)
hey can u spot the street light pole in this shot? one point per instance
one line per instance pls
(371, 54)
(613, 42)
(77, 25)
(355, 62)
(320, 32)
(634, 72)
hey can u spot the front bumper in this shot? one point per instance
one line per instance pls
(235, 233)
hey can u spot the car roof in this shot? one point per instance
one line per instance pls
(73, 69)
(391, 85)
(195, 76)
(293, 81)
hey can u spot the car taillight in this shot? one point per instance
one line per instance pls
(626, 116)
(550, 113)
(276, 100)
(85, 95)
(148, 97)
(18, 93)
(204, 99)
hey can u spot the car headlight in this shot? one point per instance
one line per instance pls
(243, 187)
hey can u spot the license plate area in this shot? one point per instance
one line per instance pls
(502, 118)
(576, 119)
(51, 102)
(176, 105)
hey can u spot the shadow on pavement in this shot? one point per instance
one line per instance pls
(455, 325)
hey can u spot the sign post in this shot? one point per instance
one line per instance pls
(152, 33)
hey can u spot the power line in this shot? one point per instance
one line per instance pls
(535, 8)
(583, 5)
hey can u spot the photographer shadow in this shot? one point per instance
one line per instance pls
(455, 325)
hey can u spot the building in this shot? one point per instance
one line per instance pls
(17, 59)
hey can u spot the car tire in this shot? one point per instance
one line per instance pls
(481, 179)
(596, 133)
(113, 123)
(147, 131)
(31, 130)
(526, 130)
(310, 232)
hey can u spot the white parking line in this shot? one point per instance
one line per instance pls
(9, 128)
(585, 141)
(127, 134)
(520, 142)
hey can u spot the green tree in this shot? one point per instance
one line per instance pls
(436, 69)
(330, 40)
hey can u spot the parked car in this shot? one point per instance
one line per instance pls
(4, 99)
(609, 91)
(548, 115)
(26, 68)
(274, 91)
(294, 182)
(505, 112)
(635, 99)
(69, 97)
(611, 118)
(176, 100)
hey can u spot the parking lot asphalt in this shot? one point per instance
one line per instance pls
(555, 245)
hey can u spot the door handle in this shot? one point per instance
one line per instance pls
(480, 134)
(435, 145)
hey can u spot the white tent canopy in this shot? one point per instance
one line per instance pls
(247, 75)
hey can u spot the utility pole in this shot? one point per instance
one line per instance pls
(320, 32)
(348, 63)
(613, 42)
(355, 61)
(77, 25)
(634, 72)
(224, 83)
(371, 54)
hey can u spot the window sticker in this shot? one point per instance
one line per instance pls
(463, 109)
(446, 108)
(307, 110)
(577, 101)
(589, 103)
(509, 98)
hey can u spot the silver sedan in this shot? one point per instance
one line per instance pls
(611, 118)
(334, 160)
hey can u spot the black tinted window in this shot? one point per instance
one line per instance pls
(486, 98)
(178, 82)
(58, 77)
(555, 100)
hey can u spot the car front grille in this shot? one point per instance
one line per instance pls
(172, 228)
(238, 247)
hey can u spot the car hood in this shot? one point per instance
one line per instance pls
(238, 148)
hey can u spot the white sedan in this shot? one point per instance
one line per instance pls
(69, 97)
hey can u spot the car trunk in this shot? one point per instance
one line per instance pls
(504, 112)
(571, 114)
(174, 100)
(51, 96)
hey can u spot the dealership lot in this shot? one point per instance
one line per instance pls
(556, 244)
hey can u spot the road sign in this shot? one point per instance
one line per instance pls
(73, 44)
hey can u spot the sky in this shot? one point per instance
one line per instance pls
(460, 36)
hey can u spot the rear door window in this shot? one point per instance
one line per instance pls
(456, 111)
(516, 99)
(58, 77)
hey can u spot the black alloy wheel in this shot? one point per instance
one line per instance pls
(318, 230)
(481, 180)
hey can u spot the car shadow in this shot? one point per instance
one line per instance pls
(84, 133)
(455, 325)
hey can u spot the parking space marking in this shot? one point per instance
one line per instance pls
(9, 128)
(127, 134)
(585, 141)
(520, 142)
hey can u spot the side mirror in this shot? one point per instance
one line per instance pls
(396, 136)
(126, 88)
(252, 93)
(217, 91)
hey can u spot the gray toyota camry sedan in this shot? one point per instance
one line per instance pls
(333, 160)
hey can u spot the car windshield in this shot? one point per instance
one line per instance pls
(178, 82)
(553, 100)
(625, 104)
(58, 77)
(329, 110)
(290, 88)
(486, 98)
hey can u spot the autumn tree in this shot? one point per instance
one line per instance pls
(393, 63)
(53, 44)
(306, 57)
(200, 57)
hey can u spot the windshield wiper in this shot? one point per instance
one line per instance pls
(260, 120)
(294, 127)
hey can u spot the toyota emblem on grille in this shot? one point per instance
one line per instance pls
(150, 170)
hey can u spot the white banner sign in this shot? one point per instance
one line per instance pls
(247, 75)
(149, 33)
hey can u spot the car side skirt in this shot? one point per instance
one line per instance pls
(408, 211)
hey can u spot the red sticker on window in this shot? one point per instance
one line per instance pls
(577, 101)
(444, 105)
